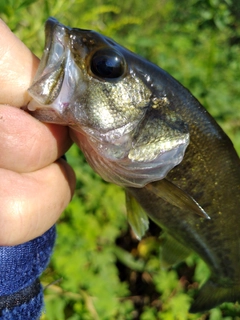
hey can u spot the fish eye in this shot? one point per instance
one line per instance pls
(108, 63)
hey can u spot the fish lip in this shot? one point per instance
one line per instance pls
(50, 26)
(50, 23)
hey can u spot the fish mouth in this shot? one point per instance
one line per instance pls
(57, 74)
(56, 42)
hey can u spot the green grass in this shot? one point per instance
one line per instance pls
(99, 270)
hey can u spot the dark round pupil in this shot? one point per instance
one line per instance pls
(107, 64)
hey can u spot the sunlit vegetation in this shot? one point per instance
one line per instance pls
(99, 271)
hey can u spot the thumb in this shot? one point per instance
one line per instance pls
(18, 66)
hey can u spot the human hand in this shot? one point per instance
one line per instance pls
(35, 187)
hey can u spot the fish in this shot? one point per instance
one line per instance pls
(139, 128)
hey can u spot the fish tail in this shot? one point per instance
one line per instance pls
(212, 295)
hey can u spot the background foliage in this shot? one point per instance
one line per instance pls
(99, 270)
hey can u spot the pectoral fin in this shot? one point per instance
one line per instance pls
(176, 196)
(137, 217)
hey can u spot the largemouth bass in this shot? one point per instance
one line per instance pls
(141, 129)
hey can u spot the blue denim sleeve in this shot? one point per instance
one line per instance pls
(21, 294)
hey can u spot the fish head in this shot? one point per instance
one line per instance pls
(84, 77)
(125, 126)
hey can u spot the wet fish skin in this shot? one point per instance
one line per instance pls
(134, 135)
(210, 173)
(209, 170)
